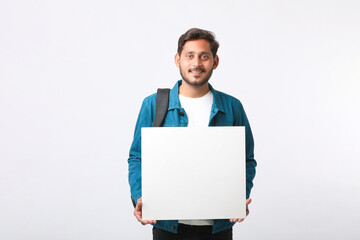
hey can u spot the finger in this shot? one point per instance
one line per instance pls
(150, 221)
(240, 219)
(248, 201)
(138, 217)
(237, 219)
(139, 202)
(138, 205)
(144, 222)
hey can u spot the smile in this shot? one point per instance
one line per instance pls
(197, 70)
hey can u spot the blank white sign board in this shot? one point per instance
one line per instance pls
(193, 173)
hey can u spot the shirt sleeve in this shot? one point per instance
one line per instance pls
(242, 120)
(145, 119)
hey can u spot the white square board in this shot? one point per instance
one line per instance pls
(193, 173)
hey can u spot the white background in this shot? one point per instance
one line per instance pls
(73, 75)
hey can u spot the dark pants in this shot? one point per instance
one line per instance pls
(192, 233)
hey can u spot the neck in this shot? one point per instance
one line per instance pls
(193, 92)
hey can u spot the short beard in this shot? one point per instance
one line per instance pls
(197, 84)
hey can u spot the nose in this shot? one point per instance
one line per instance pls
(197, 61)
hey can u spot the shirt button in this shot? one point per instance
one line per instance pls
(181, 113)
(172, 227)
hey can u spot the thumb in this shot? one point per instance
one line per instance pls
(139, 204)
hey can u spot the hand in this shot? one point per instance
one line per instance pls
(138, 213)
(248, 201)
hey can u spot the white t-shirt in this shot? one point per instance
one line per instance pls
(198, 113)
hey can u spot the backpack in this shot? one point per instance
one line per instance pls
(162, 104)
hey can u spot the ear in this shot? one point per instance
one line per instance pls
(177, 59)
(216, 62)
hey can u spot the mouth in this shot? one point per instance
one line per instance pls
(197, 70)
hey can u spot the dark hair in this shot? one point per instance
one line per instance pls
(197, 33)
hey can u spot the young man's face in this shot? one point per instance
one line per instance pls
(196, 62)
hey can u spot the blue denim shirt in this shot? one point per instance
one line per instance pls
(226, 111)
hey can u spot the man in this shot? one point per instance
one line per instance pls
(192, 102)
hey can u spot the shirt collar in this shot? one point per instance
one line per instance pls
(174, 101)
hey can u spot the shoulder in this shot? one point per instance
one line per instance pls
(147, 111)
(228, 99)
(149, 101)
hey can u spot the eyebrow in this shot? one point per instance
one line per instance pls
(201, 53)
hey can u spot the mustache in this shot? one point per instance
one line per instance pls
(197, 69)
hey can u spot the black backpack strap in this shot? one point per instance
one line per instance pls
(162, 104)
(133, 201)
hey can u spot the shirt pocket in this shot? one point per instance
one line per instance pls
(224, 122)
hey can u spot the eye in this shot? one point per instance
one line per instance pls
(189, 55)
(205, 57)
